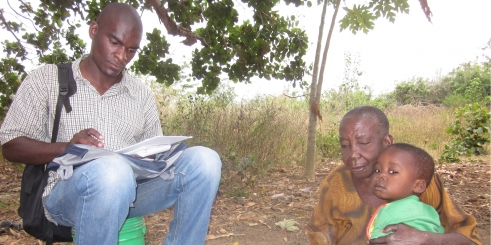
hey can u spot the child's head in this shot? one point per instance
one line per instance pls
(402, 170)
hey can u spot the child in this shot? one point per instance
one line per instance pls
(402, 173)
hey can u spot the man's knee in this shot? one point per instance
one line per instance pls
(111, 173)
(208, 159)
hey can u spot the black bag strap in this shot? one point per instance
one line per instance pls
(49, 233)
(67, 87)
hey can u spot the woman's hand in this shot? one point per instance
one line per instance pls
(403, 234)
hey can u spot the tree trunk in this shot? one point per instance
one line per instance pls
(315, 92)
(310, 157)
(324, 56)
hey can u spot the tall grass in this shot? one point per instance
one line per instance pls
(252, 136)
(422, 126)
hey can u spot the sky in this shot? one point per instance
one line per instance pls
(395, 52)
(389, 54)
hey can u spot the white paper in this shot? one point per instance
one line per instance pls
(152, 146)
(147, 150)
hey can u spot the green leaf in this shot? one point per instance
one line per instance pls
(289, 225)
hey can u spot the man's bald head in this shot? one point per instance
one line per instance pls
(116, 37)
(120, 12)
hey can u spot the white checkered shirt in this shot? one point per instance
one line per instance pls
(124, 114)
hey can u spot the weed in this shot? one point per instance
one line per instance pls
(238, 191)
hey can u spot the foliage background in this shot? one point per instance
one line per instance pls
(254, 135)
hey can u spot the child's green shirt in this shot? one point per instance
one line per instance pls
(409, 211)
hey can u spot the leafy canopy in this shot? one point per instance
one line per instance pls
(361, 17)
(266, 45)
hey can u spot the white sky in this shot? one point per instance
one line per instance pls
(409, 47)
(391, 53)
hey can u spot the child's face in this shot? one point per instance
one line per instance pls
(394, 176)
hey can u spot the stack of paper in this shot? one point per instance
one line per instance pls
(152, 146)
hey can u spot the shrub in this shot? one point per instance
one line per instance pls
(412, 92)
(328, 144)
(452, 152)
(474, 91)
(471, 129)
(454, 100)
(468, 83)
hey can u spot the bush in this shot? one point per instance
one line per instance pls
(412, 92)
(471, 129)
(454, 100)
(452, 152)
(472, 93)
(328, 144)
(468, 83)
(462, 77)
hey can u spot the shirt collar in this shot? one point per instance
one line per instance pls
(125, 85)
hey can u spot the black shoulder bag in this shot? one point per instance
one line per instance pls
(35, 178)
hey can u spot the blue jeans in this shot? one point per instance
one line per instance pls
(101, 194)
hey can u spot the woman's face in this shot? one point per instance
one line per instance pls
(361, 143)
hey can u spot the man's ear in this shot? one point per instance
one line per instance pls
(93, 29)
(388, 140)
(419, 186)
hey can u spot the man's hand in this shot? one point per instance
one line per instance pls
(403, 234)
(88, 137)
(26, 150)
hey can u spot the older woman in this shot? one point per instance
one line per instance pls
(346, 202)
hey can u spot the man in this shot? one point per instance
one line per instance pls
(346, 202)
(111, 110)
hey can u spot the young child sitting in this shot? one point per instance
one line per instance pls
(402, 173)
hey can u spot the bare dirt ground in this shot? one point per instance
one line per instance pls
(281, 195)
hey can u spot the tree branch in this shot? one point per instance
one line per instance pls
(294, 97)
(426, 9)
(30, 9)
(173, 28)
(6, 24)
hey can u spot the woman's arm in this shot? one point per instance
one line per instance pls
(457, 223)
(321, 228)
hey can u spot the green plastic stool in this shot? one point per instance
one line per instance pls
(132, 232)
